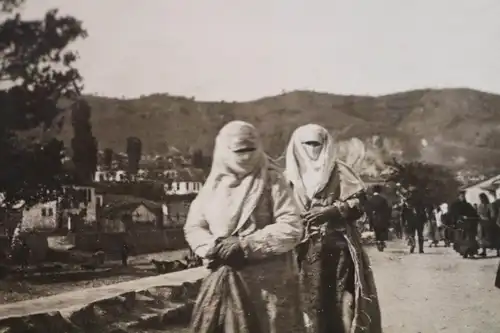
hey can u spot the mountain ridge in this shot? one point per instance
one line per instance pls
(461, 126)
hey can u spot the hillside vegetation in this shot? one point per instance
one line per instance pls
(456, 127)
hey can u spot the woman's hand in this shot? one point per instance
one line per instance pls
(228, 251)
(229, 248)
(318, 215)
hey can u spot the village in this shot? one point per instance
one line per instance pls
(144, 211)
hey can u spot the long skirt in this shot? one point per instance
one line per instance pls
(325, 283)
(449, 233)
(431, 232)
(337, 287)
(272, 287)
(465, 242)
(488, 234)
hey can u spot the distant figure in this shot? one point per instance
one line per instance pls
(497, 279)
(487, 229)
(24, 254)
(448, 225)
(495, 225)
(465, 218)
(438, 212)
(413, 216)
(125, 251)
(433, 235)
(379, 213)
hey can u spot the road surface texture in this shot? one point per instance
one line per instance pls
(434, 292)
(437, 291)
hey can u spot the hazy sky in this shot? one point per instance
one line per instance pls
(246, 49)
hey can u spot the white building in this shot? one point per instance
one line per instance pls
(42, 216)
(472, 191)
(117, 176)
(184, 181)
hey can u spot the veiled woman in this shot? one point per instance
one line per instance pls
(487, 231)
(338, 289)
(245, 217)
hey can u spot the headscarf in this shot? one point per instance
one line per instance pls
(311, 174)
(444, 208)
(236, 180)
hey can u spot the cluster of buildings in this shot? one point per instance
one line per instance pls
(95, 210)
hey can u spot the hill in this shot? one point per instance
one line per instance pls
(456, 127)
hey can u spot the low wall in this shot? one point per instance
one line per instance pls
(143, 241)
(37, 243)
(157, 302)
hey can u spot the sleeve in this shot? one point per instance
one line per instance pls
(472, 211)
(453, 212)
(492, 211)
(197, 232)
(284, 234)
(350, 209)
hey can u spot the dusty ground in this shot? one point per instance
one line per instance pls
(436, 292)
(423, 293)
(14, 291)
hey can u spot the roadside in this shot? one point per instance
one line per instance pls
(15, 290)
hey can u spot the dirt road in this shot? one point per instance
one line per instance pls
(436, 292)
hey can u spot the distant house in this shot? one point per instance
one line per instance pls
(79, 205)
(119, 210)
(184, 181)
(142, 174)
(41, 217)
(177, 208)
(101, 176)
(472, 191)
(112, 176)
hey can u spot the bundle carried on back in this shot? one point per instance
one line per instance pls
(224, 305)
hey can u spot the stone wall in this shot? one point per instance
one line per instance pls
(159, 302)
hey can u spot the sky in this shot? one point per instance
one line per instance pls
(247, 49)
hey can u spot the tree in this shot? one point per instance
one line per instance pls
(437, 183)
(84, 144)
(198, 159)
(108, 158)
(37, 76)
(134, 152)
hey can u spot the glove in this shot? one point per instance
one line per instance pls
(228, 252)
(319, 215)
(228, 248)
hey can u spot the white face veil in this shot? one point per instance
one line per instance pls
(237, 178)
(310, 169)
(310, 158)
